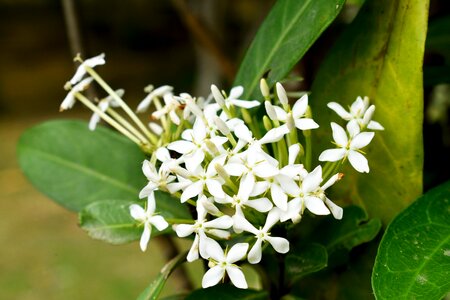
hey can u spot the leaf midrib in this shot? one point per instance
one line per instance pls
(85, 170)
(277, 44)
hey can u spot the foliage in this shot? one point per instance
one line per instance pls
(98, 174)
(415, 250)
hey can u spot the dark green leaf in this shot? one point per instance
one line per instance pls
(380, 55)
(286, 34)
(154, 289)
(227, 292)
(308, 259)
(354, 229)
(438, 38)
(433, 75)
(413, 260)
(75, 166)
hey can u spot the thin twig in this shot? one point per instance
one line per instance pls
(205, 38)
(72, 27)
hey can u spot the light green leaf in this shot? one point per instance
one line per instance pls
(308, 259)
(154, 289)
(227, 292)
(354, 229)
(286, 34)
(380, 55)
(110, 221)
(75, 166)
(413, 260)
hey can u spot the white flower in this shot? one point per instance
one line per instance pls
(296, 116)
(310, 196)
(103, 105)
(225, 263)
(202, 178)
(91, 63)
(157, 179)
(156, 93)
(241, 200)
(359, 111)
(200, 228)
(281, 245)
(348, 148)
(171, 108)
(70, 99)
(148, 218)
(232, 99)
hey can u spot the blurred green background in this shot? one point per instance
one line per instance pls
(187, 44)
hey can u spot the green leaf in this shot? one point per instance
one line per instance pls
(286, 34)
(413, 260)
(380, 55)
(227, 292)
(154, 289)
(354, 229)
(110, 221)
(76, 167)
(308, 259)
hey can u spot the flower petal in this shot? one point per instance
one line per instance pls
(332, 154)
(335, 210)
(316, 206)
(223, 222)
(212, 276)
(254, 256)
(193, 251)
(265, 170)
(183, 230)
(182, 147)
(236, 92)
(191, 191)
(312, 180)
(137, 212)
(361, 140)
(339, 135)
(339, 110)
(245, 103)
(279, 198)
(358, 161)
(259, 188)
(237, 252)
(261, 204)
(374, 125)
(237, 277)
(145, 238)
(235, 169)
(159, 222)
(215, 251)
(281, 245)
(215, 188)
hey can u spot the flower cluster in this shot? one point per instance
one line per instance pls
(243, 176)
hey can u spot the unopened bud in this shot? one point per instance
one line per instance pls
(221, 172)
(211, 147)
(267, 123)
(222, 126)
(368, 115)
(217, 95)
(180, 171)
(265, 91)
(282, 94)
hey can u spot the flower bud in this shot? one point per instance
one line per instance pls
(211, 147)
(267, 123)
(222, 126)
(282, 94)
(217, 95)
(290, 122)
(265, 91)
(221, 172)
